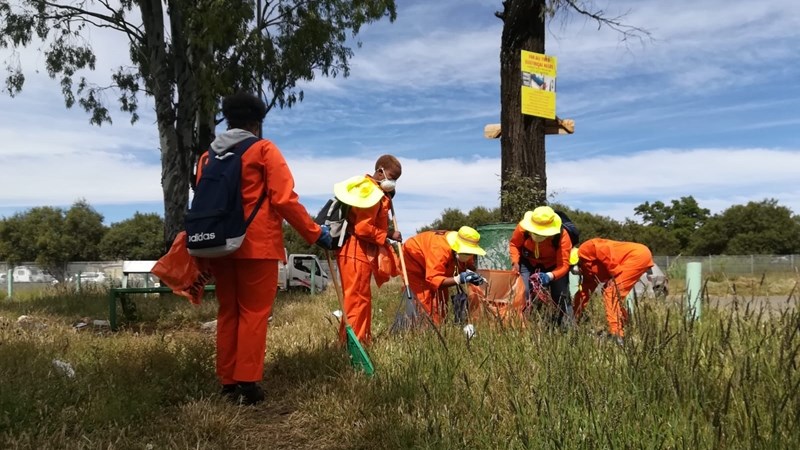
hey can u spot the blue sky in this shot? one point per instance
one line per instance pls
(708, 108)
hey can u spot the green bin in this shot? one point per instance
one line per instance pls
(494, 239)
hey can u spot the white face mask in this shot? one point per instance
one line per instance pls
(538, 238)
(388, 185)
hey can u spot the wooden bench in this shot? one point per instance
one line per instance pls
(121, 293)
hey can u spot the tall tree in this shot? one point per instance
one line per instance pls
(522, 140)
(186, 54)
(452, 219)
(52, 237)
(763, 227)
(681, 218)
(139, 237)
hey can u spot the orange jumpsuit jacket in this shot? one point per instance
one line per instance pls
(601, 259)
(548, 254)
(264, 169)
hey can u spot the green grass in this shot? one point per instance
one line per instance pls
(729, 381)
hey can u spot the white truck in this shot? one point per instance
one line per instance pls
(297, 273)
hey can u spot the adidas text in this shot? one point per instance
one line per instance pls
(197, 237)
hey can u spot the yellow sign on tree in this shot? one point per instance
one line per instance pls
(538, 85)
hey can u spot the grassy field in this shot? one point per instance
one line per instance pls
(728, 381)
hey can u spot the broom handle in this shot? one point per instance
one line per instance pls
(339, 294)
(408, 288)
(402, 258)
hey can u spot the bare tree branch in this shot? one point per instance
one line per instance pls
(123, 25)
(614, 23)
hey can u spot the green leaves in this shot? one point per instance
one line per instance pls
(187, 55)
(139, 238)
(682, 227)
(754, 228)
(52, 237)
(452, 219)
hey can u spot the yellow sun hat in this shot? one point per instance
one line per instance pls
(573, 256)
(465, 240)
(542, 221)
(358, 191)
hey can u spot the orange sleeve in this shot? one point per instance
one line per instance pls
(437, 265)
(201, 162)
(372, 224)
(562, 258)
(515, 244)
(282, 197)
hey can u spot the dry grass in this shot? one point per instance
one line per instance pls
(729, 381)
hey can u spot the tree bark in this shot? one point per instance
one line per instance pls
(522, 142)
(174, 160)
(178, 173)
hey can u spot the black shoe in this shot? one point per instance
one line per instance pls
(249, 393)
(229, 391)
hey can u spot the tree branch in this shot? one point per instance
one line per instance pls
(615, 23)
(125, 26)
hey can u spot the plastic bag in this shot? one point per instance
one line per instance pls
(186, 275)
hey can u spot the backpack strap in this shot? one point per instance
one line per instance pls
(239, 149)
(557, 238)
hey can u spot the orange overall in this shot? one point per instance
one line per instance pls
(367, 231)
(543, 255)
(429, 262)
(247, 280)
(617, 264)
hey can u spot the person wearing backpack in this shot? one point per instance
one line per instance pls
(367, 235)
(617, 265)
(541, 245)
(247, 278)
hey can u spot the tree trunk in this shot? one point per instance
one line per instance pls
(175, 169)
(522, 142)
(176, 177)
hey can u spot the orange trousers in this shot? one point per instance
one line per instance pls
(246, 290)
(433, 302)
(356, 279)
(615, 292)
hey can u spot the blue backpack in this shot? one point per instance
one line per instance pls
(215, 224)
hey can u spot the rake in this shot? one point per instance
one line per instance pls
(409, 297)
(358, 355)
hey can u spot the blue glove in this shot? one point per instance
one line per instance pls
(544, 278)
(325, 240)
(470, 277)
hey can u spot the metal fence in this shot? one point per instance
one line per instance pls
(89, 272)
(732, 264)
(29, 272)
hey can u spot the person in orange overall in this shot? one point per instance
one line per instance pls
(438, 260)
(247, 280)
(540, 244)
(368, 234)
(618, 265)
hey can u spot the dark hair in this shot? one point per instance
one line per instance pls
(389, 162)
(243, 109)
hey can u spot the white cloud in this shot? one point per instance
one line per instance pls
(609, 185)
(433, 68)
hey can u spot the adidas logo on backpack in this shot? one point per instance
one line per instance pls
(215, 224)
(201, 237)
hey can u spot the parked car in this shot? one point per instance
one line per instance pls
(89, 277)
(296, 273)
